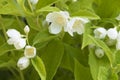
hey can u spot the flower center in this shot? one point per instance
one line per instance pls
(60, 20)
(30, 51)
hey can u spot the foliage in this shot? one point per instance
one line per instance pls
(59, 56)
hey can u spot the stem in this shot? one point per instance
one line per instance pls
(21, 75)
(27, 39)
(30, 5)
(3, 27)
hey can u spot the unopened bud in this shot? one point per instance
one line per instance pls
(99, 53)
(23, 63)
(26, 29)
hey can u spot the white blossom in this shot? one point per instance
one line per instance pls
(26, 29)
(112, 33)
(15, 38)
(23, 63)
(30, 52)
(99, 52)
(76, 25)
(100, 33)
(57, 20)
(118, 42)
(34, 1)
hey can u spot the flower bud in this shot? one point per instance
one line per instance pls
(112, 33)
(26, 29)
(23, 63)
(100, 33)
(99, 52)
(30, 52)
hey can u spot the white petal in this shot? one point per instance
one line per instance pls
(118, 45)
(20, 43)
(118, 17)
(34, 1)
(100, 33)
(13, 33)
(30, 52)
(55, 29)
(26, 29)
(112, 33)
(99, 53)
(10, 41)
(23, 63)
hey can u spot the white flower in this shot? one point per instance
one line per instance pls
(58, 21)
(15, 38)
(30, 52)
(99, 52)
(23, 63)
(76, 25)
(112, 33)
(34, 1)
(26, 29)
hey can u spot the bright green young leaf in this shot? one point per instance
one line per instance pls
(43, 36)
(10, 7)
(86, 40)
(103, 73)
(43, 3)
(101, 44)
(81, 72)
(95, 64)
(5, 48)
(47, 9)
(85, 13)
(39, 66)
(52, 57)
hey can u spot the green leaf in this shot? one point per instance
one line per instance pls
(5, 48)
(43, 3)
(39, 66)
(81, 72)
(103, 73)
(101, 44)
(86, 40)
(107, 8)
(95, 64)
(10, 7)
(47, 9)
(85, 13)
(43, 36)
(52, 57)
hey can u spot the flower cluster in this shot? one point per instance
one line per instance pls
(19, 42)
(62, 21)
(110, 36)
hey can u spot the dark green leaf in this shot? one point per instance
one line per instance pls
(52, 57)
